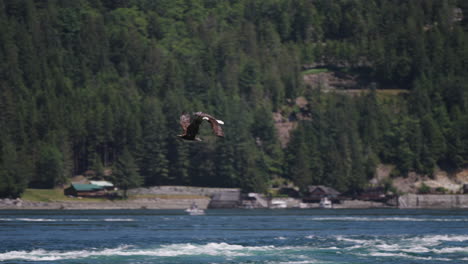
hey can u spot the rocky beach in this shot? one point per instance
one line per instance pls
(144, 203)
(181, 197)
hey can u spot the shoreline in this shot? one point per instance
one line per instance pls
(150, 203)
(182, 204)
(182, 197)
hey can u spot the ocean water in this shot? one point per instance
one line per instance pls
(235, 236)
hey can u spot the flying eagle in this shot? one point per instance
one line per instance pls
(190, 128)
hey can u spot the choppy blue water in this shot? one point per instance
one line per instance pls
(234, 236)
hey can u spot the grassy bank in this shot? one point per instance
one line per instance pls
(52, 195)
(56, 195)
(44, 195)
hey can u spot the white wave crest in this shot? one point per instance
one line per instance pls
(173, 250)
(119, 220)
(28, 220)
(44, 255)
(280, 238)
(437, 239)
(451, 250)
(379, 219)
(212, 249)
(403, 255)
(66, 220)
(400, 246)
(359, 241)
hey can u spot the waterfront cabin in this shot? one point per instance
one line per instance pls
(315, 193)
(85, 190)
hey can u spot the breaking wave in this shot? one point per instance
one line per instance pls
(435, 247)
(430, 247)
(173, 250)
(403, 255)
(45, 255)
(28, 220)
(407, 219)
(66, 220)
(437, 239)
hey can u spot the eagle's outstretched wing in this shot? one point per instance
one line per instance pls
(215, 124)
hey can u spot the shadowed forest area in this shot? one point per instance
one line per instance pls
(99, 84)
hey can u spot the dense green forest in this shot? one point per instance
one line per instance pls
(95, 84)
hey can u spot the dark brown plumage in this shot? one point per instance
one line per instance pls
(190, 126)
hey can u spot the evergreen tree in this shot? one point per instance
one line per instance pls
(14, 174)
(125, 173)
(300, 171)
(49, 167)
(154, 166)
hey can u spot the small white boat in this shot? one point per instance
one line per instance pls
(325, 203)
(278, 204)
(194, 210)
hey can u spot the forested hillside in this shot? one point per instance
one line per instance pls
(94, 84)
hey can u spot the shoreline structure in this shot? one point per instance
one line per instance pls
(181, 197)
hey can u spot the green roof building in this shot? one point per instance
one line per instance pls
(85, 190)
